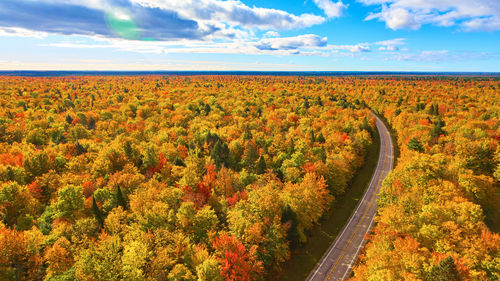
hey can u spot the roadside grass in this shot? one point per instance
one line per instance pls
(305, 258)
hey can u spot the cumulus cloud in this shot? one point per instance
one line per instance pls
(390, 45)
(291, 43)
(358, 48)
(70, 19)
(411, 14)
(148, 19)
(234, 12)
(396, 18)
(331, 9)
(271, 33)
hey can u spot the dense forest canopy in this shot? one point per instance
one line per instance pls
(169, 178)
(435, 205)
(220, 177)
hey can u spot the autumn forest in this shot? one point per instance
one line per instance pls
(224, 177)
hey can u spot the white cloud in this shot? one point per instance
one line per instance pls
(234, 12)
(21, 32)
(331, 9)
(271, 33)
(411, 14)
(291, 43)
(486, 24)
(396, 18)
(358, 48)
(390, 45)
(67, 18)
(164, 20)
(306, 45)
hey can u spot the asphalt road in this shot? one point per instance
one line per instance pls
(337, 262)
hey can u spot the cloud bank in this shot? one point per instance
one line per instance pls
(470, 15)
(148, 19)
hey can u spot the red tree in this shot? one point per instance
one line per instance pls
(237, 263)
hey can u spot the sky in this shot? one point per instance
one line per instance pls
(262, 35)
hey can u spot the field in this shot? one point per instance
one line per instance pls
(227, 177)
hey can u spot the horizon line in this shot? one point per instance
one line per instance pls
(49, 73)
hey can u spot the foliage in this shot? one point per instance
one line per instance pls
(437, 206)
(218, 177)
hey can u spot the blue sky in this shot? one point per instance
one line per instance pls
(306, 35)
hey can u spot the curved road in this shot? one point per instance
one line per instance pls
(337, 262)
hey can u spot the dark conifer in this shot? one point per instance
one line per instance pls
(320, 138)
(312, 137)
(261, 165)
(445, 271)
(179, 162)
(97, 213)
(414, 144)
(291, 147)
(80, 149)
(437, 130)
(120, 199)
(69, 119)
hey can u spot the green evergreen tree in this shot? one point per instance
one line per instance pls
(320, 138)
(179, 162)
(129, 151)
(279, 174)
(97, 213)
(211, 139)
(251, 155)
(10, 175)
(80, 149)
(69, 119)
(437, 130)
(291, 147)
(216, 152)
(306, 104)
(261, 165)
(220, 154)
(320, 153)
(120, 199)
(319, 101)
(207, 109)
(445, 271)
(414, 144)
(91, 123)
